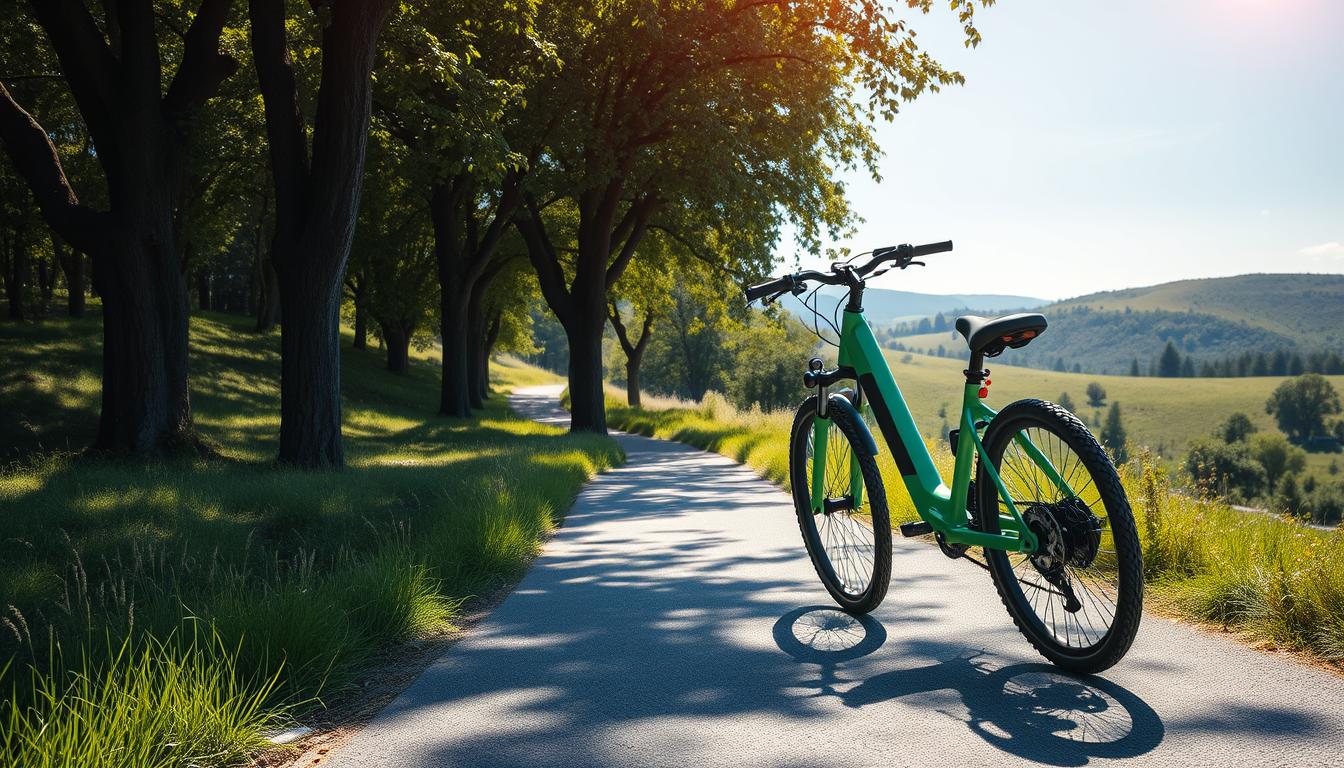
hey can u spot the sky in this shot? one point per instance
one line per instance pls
(1102, 145)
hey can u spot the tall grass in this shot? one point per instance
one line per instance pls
(167, 702)
(235, 592)
(1277, 581)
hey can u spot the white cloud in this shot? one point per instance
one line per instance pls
(1331, 250)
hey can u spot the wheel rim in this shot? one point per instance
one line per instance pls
(845, 538)
(1095, 585)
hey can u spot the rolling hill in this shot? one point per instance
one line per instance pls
(1306, 308)
(1208, 320)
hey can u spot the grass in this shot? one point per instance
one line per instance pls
(295, 580)
(1163, 414)
(1276, 581)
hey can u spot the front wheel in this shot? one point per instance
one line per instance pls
(1078, 598)
(849, 542)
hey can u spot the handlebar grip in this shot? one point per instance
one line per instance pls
(765, 289)
(928, 248)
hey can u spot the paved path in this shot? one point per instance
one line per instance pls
(676, 621)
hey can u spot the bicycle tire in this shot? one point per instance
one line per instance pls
(844, 589)
(1127, 561)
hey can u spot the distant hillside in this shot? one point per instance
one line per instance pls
(881, 305)
(1309, 309)
(1208, 320)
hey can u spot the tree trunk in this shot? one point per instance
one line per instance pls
(588, 402)
(46, 281)
(455, 295)
(632, 380)
(203, 290)
(491, 336)
(398, 348)
(145, 404)
(455, 330)
(361, 327)
(16, 277)
(582, 306)
(316, 203)
(310, 372)
(634, 351)
(72, 264)
(268, 296)
(477, 330)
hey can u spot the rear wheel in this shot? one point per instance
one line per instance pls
(850, 544)
(1079, 598)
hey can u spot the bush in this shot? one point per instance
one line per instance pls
(1224, 469)
(1235, 428)
(1096, 395)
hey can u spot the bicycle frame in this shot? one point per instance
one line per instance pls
(943, 508)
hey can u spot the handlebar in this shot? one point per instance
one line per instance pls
(902, 255)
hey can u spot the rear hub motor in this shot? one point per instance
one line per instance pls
(1067, 533)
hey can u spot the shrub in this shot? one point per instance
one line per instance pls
(1096, 395)
(1224, 469)
(1235, 428)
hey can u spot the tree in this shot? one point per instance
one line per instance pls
(766, 356)
(1134, 367)
(317, 190)
(1235, 428)
(1113, 434)
(1224, 469)
(114, 71)
(644, 292)
(1096, 394)
(450, 89)
(1300, 405)
(1169, 365)
(393, 258)
(687, 357)
(1066, 402)
(664, 112)
(1277, 456)
(1288, 498)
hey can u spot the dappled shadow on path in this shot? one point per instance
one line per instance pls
(663, 627)
(1030, 710)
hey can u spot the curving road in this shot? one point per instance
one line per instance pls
(675, 620)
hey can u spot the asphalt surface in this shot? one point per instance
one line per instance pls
(675, 620)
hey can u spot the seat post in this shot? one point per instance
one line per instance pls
(975, 373)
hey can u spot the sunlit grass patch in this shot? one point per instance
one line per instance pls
(171, 702)
(298, 578)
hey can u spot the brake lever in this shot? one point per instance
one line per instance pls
(914, 263)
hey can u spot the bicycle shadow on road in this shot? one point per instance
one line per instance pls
(1033, 711)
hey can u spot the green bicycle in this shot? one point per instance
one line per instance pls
(1031, 486)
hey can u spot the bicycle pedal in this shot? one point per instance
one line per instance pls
(916, 528)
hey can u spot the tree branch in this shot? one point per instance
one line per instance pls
(622, 336)
(203, 67)
(695, 252)
(644, 208)
(543, 257)
(87, 63)
(284, 121)
(34, 157)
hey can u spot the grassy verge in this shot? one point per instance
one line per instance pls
(229, 589)
(1280, 583)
